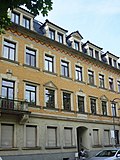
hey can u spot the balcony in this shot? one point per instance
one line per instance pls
(15, 107)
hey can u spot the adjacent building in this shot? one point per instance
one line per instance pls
(57, 94)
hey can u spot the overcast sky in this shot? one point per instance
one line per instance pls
(97, 21)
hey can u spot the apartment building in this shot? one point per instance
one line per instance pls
(57, 94)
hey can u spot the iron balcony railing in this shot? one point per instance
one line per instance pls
(10, 104)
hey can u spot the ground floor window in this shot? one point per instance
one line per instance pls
(96, 137)
(52, 136)
(68, 136)
(106, 137)
(7, 135)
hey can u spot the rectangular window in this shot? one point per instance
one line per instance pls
(67, 101)
(114, 113)
(110, 61)
(8, 94)
(60, 38)
(91, 52)
(91, 77)
(111, 86)
(65, 68)
(15, 17)
(68, 136)
(101, 81)
(51, 34)
(78, 73)
(7, 136)
(49, 63)
(93, 105)
(26, 22)
(50, 98)
(96, 54)
(9, 50)
(31, 136)
(118, 82)
(106, 137)
(96, 136)
(30, 57)
(115, 63)
(81, 104)
(104, 108)
(76, 45)
(30, 94)
(52, 136)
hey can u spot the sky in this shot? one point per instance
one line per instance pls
(97, 21)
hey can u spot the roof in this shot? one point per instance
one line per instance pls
(73, 33)
(88, 42)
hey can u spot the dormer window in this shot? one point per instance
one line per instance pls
(52, 34)
(15, 18)
(96, 54)
(76, 45)
(110, 61)
(60, 38)
(26, 22)
(91, 52)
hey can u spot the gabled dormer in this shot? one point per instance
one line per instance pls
(74, 40)
(54, 32)
(22, 17)
(92, 50)
(112, 59)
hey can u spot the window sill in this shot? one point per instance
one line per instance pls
(8, 149)
(52, 147)
(52, 73)
(111, 90)
(68, 147)
(80, 81)
(103, 88)
(66, 77)
(97, 146)
(64, 110)
(32, 67)
(9, 60)
(50, 108)
(93, 85)
(31, 148)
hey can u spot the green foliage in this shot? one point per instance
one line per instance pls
(34, 6)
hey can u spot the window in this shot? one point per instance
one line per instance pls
(67, 101)
(106, 137)
(81, 104)
(49, 63)
(76, 45)
(78, 73)
(31, 136)
(101, 81)
(50, 98)
(117, 136)
(7, 135)
(30, 57)
(110, 61)
(60, 38)
(115, 63)
(111, 87)
(30, 94)
(104, 108)
(52, 136)
(96, 137)
(114, 113)
(15, 17)
(26, 22)
(8, 94)
(51, 34)
(91, 52)
(65, 68)
(118, 82)
(91, 77)
(9, 50)
(96, 54)
(93, 105)
(68, 136)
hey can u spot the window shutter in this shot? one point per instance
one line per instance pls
(52, 141)
(7, 136)
(106, 137)
(30, 136)
(68, 136)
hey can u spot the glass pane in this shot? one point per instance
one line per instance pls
(10, 93)
(27, 96)
(7, 83)
(30, 88)
(27, 59)
(12, 54)
(5, 52)
(32, 96)
(4, 92)
(32, 61)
